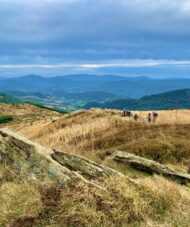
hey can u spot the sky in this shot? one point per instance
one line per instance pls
(123, 37)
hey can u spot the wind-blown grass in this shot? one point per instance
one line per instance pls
(87, 133)
(152, 202)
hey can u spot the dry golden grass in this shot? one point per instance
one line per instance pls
(122, 204)
(18, 200)
(87, 133)
(25, 115)
(171, 117)
(153, 201)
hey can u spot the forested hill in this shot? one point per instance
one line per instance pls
(168, 100)
(5, 98)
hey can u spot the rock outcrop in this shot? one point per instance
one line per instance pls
(30, 159)
(149, 166)
(83, 166)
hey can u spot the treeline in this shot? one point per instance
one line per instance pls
(179, 99)
(47, 107)
(5, 98)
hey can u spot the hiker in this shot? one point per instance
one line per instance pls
(155, 115)
(136, 117)
(128, 113)
(124, 112)
(149, 118)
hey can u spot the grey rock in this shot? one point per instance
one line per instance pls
(29, 159)
(149, 166)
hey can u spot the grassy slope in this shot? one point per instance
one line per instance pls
(155, 202)
(89, 132)
(25, 115)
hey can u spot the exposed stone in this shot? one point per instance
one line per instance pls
(27, 157)
(149, 166)
(83, 166)
(32, 160)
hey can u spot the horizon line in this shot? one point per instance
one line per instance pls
(136, 63)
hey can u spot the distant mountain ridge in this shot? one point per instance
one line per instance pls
(168, 100)
(85, 97)
(117, 85)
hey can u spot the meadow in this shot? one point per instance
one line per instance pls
(90, 133)
(150, 201)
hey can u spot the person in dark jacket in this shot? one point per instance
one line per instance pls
(124, 112)
(128, 113)
(155, 115)
(149, 118)
(136, 117)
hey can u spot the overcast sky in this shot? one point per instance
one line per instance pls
(125, 37)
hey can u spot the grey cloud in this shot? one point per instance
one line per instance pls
(56, 31)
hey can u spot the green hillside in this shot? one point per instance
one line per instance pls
(5, 98)
(169, 100)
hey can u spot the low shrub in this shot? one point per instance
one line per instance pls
(5, 119)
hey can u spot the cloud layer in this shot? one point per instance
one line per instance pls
(93, 33)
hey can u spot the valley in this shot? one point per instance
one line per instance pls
(74, 92)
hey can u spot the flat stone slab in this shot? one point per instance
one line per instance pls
(149, 166)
